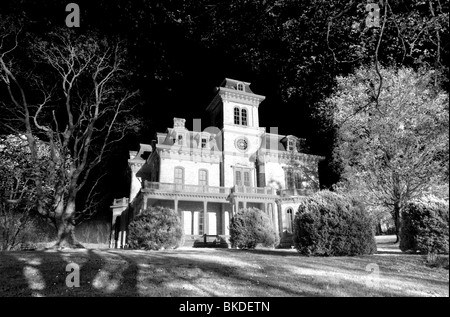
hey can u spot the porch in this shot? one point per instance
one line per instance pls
(202, 209)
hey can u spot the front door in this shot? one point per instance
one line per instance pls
(212, 223)
(187, 222)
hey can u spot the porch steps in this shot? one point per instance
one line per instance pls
(206, 241)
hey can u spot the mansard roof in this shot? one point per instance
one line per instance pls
(192, 139)
(272, 141)
(277, 142)
(232, 84)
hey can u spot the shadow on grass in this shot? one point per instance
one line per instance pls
(43, 273)
(13, 269)
(186, 273)
(194, 272)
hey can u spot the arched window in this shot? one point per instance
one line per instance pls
(244, 116)
(290, 219)
(203, 177)
(179, 175)
(298, 180)
(240, 86)
(237, 115)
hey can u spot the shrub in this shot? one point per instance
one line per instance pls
(329, 224)
(21, 230)
(425, 226)
(154, 229)
(250, 227)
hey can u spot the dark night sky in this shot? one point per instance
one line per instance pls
(193, 71)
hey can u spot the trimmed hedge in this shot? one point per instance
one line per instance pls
(329, 224)
(155, 228)
(425, 226)
(250, 227)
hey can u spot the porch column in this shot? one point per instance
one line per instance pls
(145, 204)
(222, 219)
(205, 217)
(123, 227)
(118, 225)
(245, 204)
(112, 240)
(276, 212)
(119, 240)
(181, 213)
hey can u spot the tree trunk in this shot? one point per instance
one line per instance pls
(66, 227)
(397, 222)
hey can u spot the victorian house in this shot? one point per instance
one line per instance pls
(221, 166)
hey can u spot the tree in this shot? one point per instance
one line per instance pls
(76, 101)
(396, 149)
(18, 195)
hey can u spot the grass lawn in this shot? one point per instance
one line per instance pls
(220, 272)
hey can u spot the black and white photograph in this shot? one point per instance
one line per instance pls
(250, 151)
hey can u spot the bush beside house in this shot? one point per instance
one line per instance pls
(155, 228)
(425, 226)
(250, 227)
(330, 224)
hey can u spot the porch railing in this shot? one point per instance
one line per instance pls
(171, 187)
(296, 192)
(255, 190)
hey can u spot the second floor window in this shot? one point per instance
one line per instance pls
(240, 116)
(203, 177)
(203, 143)
(237, 116)
(244, 116)
(179, 175)
(246, 178)
(289, 179)
(298, 181)
(294, 179)
(238, 178)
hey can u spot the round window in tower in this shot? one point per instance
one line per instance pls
(241, 144)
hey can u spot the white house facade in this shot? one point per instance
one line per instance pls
(208, 174)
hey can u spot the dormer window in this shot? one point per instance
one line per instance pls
(180, 139)
(291, 145)
(240, 86)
